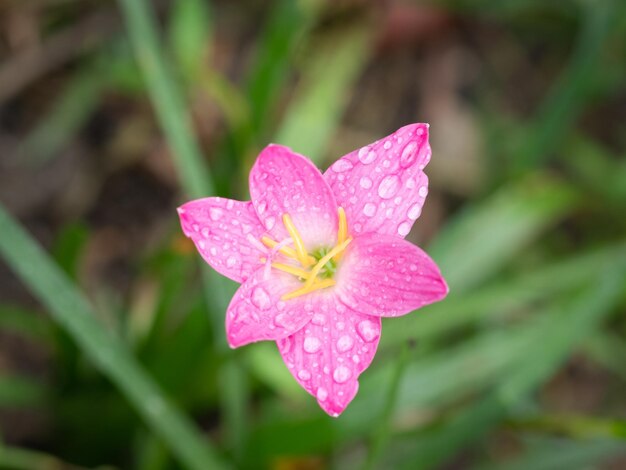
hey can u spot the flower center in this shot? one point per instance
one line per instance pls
(323, 261)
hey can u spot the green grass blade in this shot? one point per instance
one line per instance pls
(481, 240)
(559, 332)
(166, 98)
(75, 315)
(322, 95)
(566, 100)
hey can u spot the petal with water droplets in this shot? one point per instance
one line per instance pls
(387, 276)
(256, 311)
(226, 234)
(383, 186)
(327, 356)
(282, 181)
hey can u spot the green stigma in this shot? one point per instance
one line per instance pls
(329, 269)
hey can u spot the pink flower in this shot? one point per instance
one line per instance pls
(321, 258)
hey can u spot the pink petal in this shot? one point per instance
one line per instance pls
(382, 186)
(225, 233)
(282, 181)
(327, 356)
(387, 276)
(257, 313)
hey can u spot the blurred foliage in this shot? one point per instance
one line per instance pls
(112, 351)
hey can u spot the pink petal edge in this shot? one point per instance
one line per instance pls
(226, 234)
(382, 186)
(388, 277)
(282, 181)
(327, 356)
(256, 311)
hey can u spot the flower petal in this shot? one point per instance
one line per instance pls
(282, 181)
(382, 186)
(327, 356)
(256, 311)
(388, 277)
(226, 234)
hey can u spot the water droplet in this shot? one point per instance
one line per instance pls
(368, 331)
(387, 145)
(318, 319)
(365, 182)
(340, 325)
(345, 343)
(413, 267)
(280, 320)
(213, 250)
(312, 344)
(304, 374)
(414, 211)
(369, 209)
(342, 374)
(215, 213)
(342, 165)
(231, 261)
(260, 298)
(365, 156)
(423, 191)
(356, 359)
(404, 228)
(389, 186)
(322, 394)
(409, 153)
(270, 222)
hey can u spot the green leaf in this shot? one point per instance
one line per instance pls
(323, 92)
(482, 239)
(190, 32)
(75, 315)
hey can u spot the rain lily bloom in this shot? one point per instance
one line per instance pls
(322, 257)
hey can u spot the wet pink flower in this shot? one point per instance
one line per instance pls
(322, 257)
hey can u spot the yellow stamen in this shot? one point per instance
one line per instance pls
(305, 290)
(291, 270)
(303, 256)
(310, 285)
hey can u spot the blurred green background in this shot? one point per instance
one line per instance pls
(112, 349)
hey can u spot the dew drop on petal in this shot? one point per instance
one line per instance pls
(369, 209)
(260, 298)
(318, 319)
(345, 343)
(365, 156)
(387, 145)
(322, 394)
(365, 182)
(414, 211)
(342, 374)
(404, 228)
(356, 359)
(215, 213)
(423, 191)
(304, 374)
(231, 261)
(368, 331)
(342, 165)
(389, 186)
(312, 344)
(409, 154)
(213, 250)
(270, 222)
